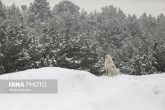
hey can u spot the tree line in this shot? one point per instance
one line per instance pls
(37, 36)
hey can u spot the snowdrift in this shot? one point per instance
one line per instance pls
(80, 90)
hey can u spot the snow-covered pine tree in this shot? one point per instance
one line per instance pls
(41, 10)
(14, 44)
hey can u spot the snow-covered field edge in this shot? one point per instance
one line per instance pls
(80, 90)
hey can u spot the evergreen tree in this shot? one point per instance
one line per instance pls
(40, 9)
(14, 44)
(66, 16)
(14, 16)
(2, 12)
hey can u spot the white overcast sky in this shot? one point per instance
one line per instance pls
(154, 7)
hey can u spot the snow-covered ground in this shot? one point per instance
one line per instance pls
(79, 90)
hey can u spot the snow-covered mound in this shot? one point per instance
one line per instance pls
(79, 90)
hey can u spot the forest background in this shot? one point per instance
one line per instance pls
(37, 36)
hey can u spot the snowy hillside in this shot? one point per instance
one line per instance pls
(79, 90)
